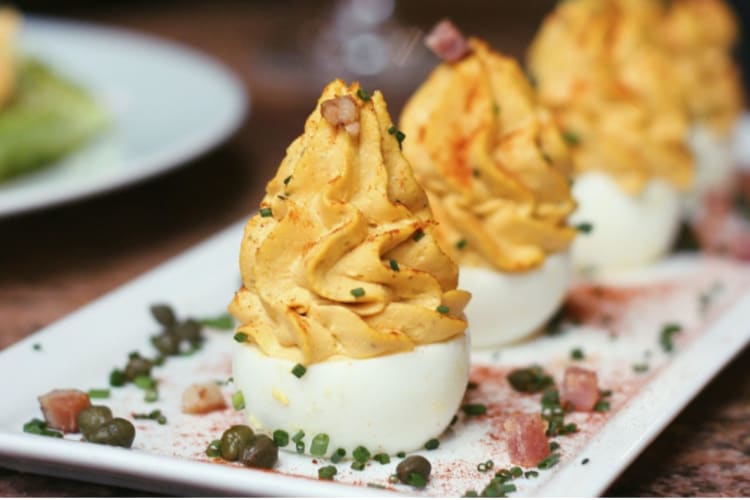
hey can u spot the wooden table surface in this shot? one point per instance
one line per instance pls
(55, 261)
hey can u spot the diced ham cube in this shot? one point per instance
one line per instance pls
(203, 398)
(447, 42)
(61, 407)
(580, 389)
(526, 438)
(342, 111)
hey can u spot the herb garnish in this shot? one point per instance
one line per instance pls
(238, 401)
(640, 367)
(577, 354)
(319, 445)
(461, 244)
(155, 415)
(357, 292)
(530, 380)
(222, 322)
(571, 138)
(99, 393)
(39, 427)
(382, 458)
(474, 409)
(432, 444)
(400, 136)
(240, 337)
(550, 461)
(280, 438)
(363, 94)
(299, 370)
(327, 472)
(266, 212)
(394, 265)
(442, 309)
(584, 227)
(554, 413)
(418, 235)
(667, 334)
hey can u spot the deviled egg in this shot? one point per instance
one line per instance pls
(352, 329)
(495, 168)
(610, 85)
(699, 36)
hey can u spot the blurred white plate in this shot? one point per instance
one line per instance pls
(167, 104)
(80, 350)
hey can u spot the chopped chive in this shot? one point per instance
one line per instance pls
(280, 438)
(117, 378)
(39, 427)
(394, 265)
(577, 354)
(454, 420)
(299, 446)
(222, 322)
(571, 138)
(485, 466)
(357, 292)
(474, 409)
(382, 458)
(151, 395)
(640, 367)
(240, 337)
(37, 347)
(213, 450)
(471, 385)
(418, 235)
(496, 108)
(666, 337)
(584, 461)
(530, 380)
(550, 461)
(298, 436)
(602, 406)
(554, 445)
(266, 212)
(605, 393)
(287, 179)
(361, 454)
(144, 382)
(400, 136)
(155, 415)
(358, 465)
(584, 227)
(471, 494)
(416, 479)
(99, 393)
(461, 244)
(401, 454)
(338, 455)
(299, 370)
(432, 444)
(516, 471)
(443, 309)
(238, 401)
(363, 94)
(319, 445)
(530, 473)
(376, 486)
(327, 472)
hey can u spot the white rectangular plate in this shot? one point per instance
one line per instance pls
(710, 298)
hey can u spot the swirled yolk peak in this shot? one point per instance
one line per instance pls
(341, 260)
(607, 78)
(699, 36)
(493, 163)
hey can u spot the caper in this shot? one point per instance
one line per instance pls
(234, 440)
(137, 366)
(415, 464)
(188, 330)
(116, 432)
(260, 452)
(91, 418)
(166, 343)
(163, 314)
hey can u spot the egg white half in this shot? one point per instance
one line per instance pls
(387, 404)
(627, 230)
(506, 307)
(714, 165)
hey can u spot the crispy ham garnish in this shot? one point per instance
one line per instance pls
(580, 389)
(61, 406)
(447, 42)
(527, 439)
